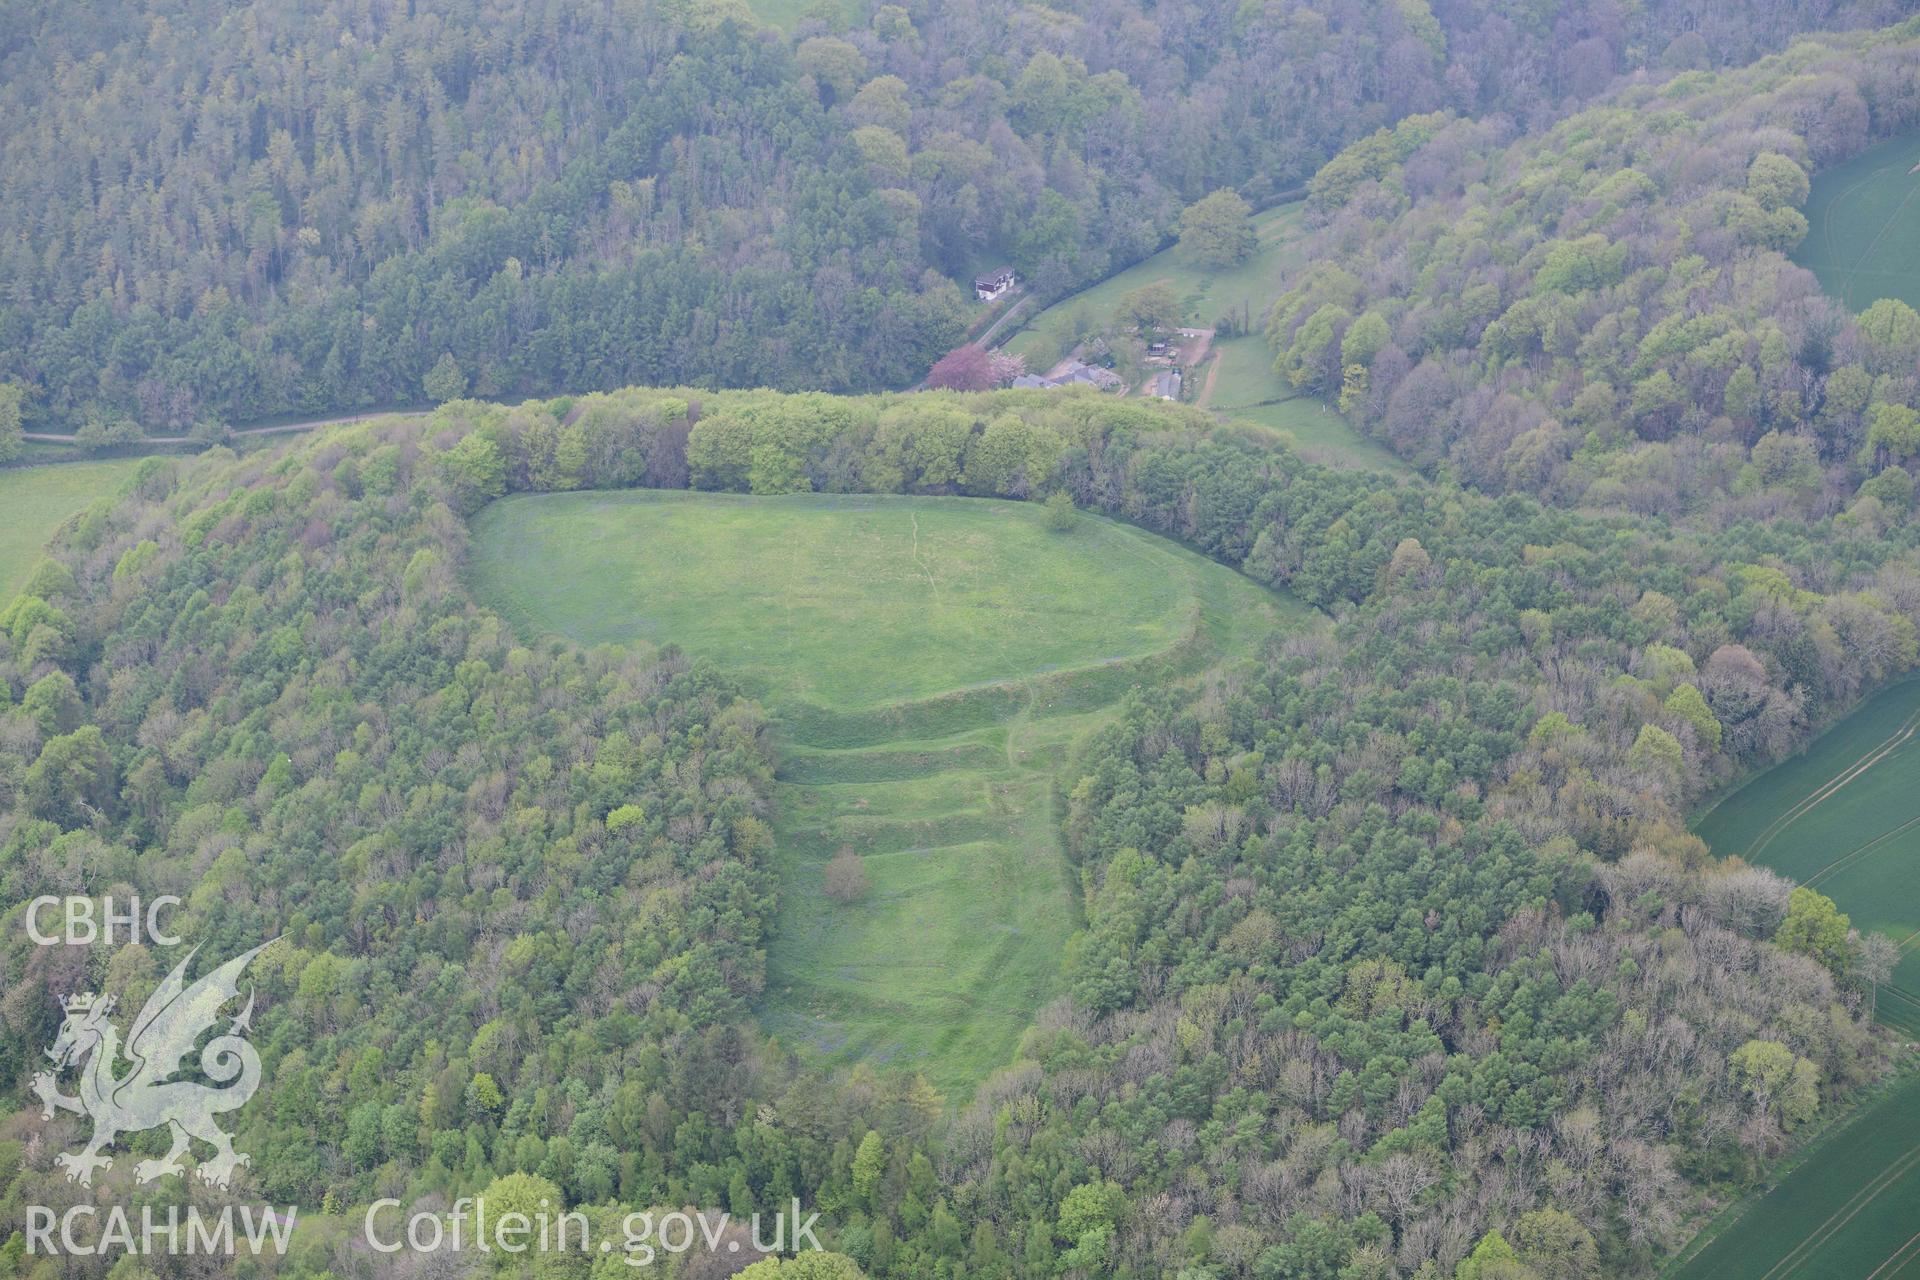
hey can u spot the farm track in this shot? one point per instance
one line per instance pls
(280, 429)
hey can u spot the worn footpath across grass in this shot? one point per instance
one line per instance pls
(933, 663)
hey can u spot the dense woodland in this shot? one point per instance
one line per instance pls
(1604, 314)
(214, 213)
(1398, 959)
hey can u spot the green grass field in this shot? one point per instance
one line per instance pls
(1245, 389)
(1205, 294)
(932, 662)
(1843, 817)
(811, 603)
(1863, 237)
(33, 502)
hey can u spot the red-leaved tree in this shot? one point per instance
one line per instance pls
(967, 368)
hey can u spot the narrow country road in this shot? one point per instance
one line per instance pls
(284, 428)
(986, 339)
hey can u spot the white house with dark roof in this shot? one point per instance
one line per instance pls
(994, 283)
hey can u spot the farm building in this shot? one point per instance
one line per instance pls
(1074, 373)
(993, 284)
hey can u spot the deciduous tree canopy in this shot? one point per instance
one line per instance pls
(1363, 917)
(215, 212)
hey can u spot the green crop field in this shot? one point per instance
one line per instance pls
(932, 662)
(1851, 1208)
(1863, 237)
(33, 502)
(1843, 817)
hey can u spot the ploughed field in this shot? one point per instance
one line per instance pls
(1843, 817)
(932, 663)
(1863, 226)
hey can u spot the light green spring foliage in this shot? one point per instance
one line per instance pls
(1602, 292)
(1815, 927)
(1214, 230)
(11, 396)
(1778, 1080)
(805, 1266)
(444, 381)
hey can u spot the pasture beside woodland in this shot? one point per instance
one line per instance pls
(933, 662)
(1239, 381)
(35, 500)
(1846, 1209)
(1842, 817)
(1204, 293)
(1863, 226)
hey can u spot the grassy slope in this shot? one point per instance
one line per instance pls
(932, 661)
(1205, 294)
(1245, 388)
(33, 502)
(1863, 238)
(1843, 817)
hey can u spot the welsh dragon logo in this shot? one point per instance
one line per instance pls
(148, 1096)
